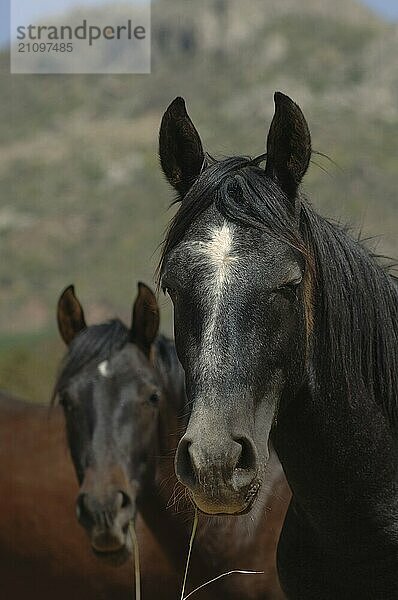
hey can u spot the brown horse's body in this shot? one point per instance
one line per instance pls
(44, 553)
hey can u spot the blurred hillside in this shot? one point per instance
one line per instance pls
(83, 199)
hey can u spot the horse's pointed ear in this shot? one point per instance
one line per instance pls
(145, 321)
(180, 149)
(288, 145)
(70, 315)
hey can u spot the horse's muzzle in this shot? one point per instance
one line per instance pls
(221, 474)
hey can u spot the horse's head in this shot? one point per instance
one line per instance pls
(235, 268)
(111, 397)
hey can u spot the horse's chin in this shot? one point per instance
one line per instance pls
(234, 506)
(111, 553)
(114, 558)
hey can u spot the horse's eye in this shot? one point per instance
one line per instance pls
(289, 289)
(154, 398)
(292, 285)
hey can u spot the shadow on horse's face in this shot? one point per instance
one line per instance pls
(111, 409)
(240, 314)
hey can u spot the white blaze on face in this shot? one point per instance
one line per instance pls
(217, 252)
(103, 368)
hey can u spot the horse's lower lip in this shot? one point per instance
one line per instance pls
(247, 505)
(114, 557)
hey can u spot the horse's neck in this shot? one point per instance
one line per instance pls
(339, 451)
(340, 457)
(309, 570)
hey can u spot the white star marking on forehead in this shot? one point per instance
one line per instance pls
(103, 368)
(219, 247)
(216, 252)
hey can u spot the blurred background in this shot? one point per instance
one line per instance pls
(83, 200)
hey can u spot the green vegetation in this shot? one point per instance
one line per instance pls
(83, 199)
(28, 364)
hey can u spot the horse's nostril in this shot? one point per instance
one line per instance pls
(83, 512)
(246, 467)
(185, 467)
(123, 500)
(90, 510)
(248, 456)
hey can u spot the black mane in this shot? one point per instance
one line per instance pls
(355, 298)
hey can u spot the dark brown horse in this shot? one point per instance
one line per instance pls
(43, 551)
(123, 395)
